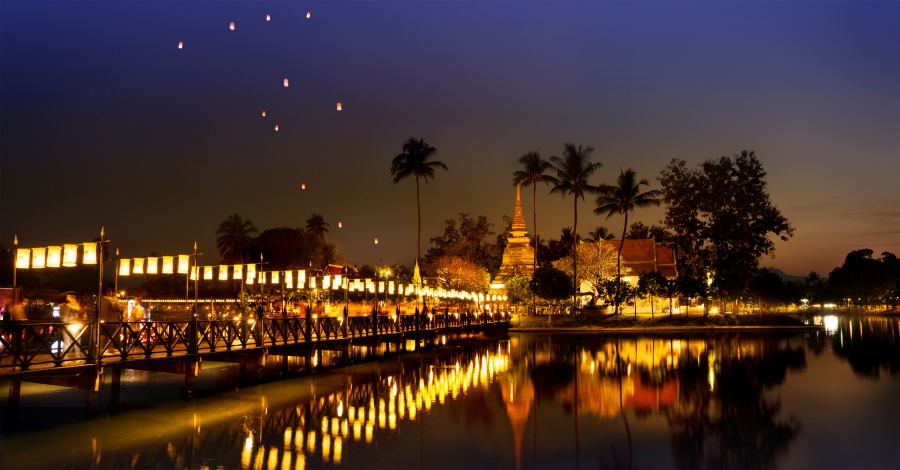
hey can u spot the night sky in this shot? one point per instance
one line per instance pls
(104, 121)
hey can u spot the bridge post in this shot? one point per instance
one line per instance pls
(344, 323)
(308, 324)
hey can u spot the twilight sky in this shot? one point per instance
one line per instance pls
(104, 121)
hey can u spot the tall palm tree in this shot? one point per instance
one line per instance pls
(316, 225)
(573, 169)
(234, 239)
(416, 161)
(623, 198)
(534, 171)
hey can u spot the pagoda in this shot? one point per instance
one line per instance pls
(518, 256)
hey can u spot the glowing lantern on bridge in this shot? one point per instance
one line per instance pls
(262, 277)
(251, 272)
(138, 266)
(153, 265)
(168, 264)
(391, 287)
(339, 106)
(180, 45)
(124, 267)
(289, 279)
(223, 273)
(231, 26)
(276, 277)
(183, 262)
(326, 282)
(54, 256)
(23, 258)
(90, 253)
(207, 273)
(38, 258)
(312, 283)
(70, 255)
(194, 271)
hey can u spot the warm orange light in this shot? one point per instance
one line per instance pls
(307, 14)
(207, 273)
(276, 127)
(340, 224)
(223, 273)
(180, 45)
(54, 256)
(90, 253)
(376, 241)
(153, 265)
(124, 267)
(264, 113)
(168, 265)
(183, 262)
(238, 271)
(70, 255)
(285, 83)
(268, 17)
(231, 26)
(138, 266)
(302, 185)
(339, 106)
(38, 258)
(23, 258)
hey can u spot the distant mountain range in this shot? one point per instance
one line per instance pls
(786, 277)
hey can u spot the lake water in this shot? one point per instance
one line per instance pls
(821, 399)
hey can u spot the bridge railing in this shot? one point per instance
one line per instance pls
(24, 346)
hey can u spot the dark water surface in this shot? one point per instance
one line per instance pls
(825, 399)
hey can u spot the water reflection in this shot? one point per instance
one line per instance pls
(519, 401)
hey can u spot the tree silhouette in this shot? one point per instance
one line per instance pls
(416, 161)
(316, 225)
(573, 169)
(534, 171)
(233, 239)
(623, 198)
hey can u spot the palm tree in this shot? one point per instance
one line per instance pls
(234, 239)
(622, 198)
(415, 161)
(572, 172)
(600, 233)
(316, 225)
(534, 169)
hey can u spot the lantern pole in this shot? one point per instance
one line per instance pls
(196, 278)
(96, 333)
(15, 261)
(116, 269)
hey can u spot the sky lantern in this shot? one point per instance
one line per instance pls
(339, 106)
(276, 127)
(180, 45)
(307, 15)
(264, 113)
(231, 26)
(285, 83)
(268, 17)
(340, 224)
(376, 240)
(302, 185)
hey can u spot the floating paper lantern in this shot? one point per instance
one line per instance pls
(339, 106)
(231, 26)
(302, 185)
(376, 241)
(340, 224)
(276, 127)
(264, 113)
(70, 255)
(268, 17)
(285, 83)
(307, 14)
(180, 45)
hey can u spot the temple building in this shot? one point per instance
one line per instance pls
(518, 256)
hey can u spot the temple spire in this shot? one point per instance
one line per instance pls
(518, 228)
